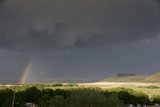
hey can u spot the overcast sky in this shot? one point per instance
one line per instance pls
(78, 40)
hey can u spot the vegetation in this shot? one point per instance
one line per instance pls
(130, 96)
(148, 90)
(156, 99)
(152, 87)
(75, 97)
(6, 97)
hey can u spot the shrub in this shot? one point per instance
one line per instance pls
(75, 97)
(57, 84)
(86, 98)
(20, 98)
(32, 95)
(126, 97)
(62, 92)
(6, 98)
(129, 96)
(152, 87)
(141, 98)
(46, 95)
(72, 85)
(58, 101)
(156, 99)
(43, 104)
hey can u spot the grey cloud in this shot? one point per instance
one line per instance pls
(46, 25)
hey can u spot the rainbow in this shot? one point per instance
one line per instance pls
(25, 72)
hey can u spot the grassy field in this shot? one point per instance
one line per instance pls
(150, 89)
(122, 93)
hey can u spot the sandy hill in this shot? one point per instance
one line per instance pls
(124, 77)
(154, 78)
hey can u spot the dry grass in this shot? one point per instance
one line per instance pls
(143, 87)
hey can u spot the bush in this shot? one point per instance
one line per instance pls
(156, 99)
(62, 92)
(20, 99)
(126, 97)
(152, 87)
(75, 97)
(72, 85)
(46, 95)
(57, 85)
(6, 98)
(86, 98)
(141, 98)
(129, 96)
(58, 101)
(32, 95)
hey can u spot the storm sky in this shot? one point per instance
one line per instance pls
(78, 40)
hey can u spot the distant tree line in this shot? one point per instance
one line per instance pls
(78, 97)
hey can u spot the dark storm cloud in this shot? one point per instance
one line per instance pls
(50, 24)
(1, 3)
